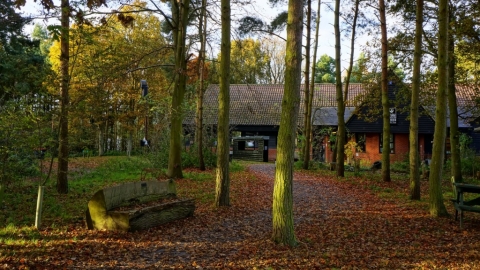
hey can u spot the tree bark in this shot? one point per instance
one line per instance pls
(62, 174)
(414, 157)
(339, 95)
(180, 11)
(437, 207)
(307, 123)
(101, 141)
(452, 106)
(352, 51)
(385, 102)
(312, 78)
(201, 87)
(222, 191)
(283, 230)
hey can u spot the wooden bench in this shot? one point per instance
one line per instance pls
(136, 206)
(459, 202)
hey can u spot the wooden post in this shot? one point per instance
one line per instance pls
(38, 216)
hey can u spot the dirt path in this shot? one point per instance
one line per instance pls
(339, 223)
(312, 198)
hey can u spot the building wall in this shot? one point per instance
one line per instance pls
(272, 154)
(402, 146)
(372, 152)
(372, 149)
(248, 153)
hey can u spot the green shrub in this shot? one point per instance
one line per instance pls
(400, 166)
(298, 165)
(236, 166)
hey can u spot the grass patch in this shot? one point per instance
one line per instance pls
(86, 176)
(236, 166)
(199, 176)
(12, 234)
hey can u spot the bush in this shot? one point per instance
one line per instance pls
(23, 137)
(400, 166)
(235, 166)
(159, 158)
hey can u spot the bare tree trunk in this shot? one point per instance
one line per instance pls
(283, 230)
(129, 143)
(312, 78)
(201, 87)
(437, 207)
(352, 51)
(339, 94)
(101, 141)
(385, 102)
(222, 191)
(417, 61)
(307, 123)
(62, 175)
(452, 105)
(180, 11)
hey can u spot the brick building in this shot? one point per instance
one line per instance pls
(255, 111)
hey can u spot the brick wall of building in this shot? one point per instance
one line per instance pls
(373, 154)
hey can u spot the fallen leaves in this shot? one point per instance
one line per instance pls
(339, 224)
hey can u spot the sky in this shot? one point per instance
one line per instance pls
(263, 10)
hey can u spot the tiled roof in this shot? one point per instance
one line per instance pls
(466, 94)
(463, 116)
(262, 104)
(252, 104)
(327, 116)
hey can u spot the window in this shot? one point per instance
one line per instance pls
(247, 145)
(361, 139)
(392, 143)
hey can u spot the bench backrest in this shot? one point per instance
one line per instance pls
(97, 216)
(117, 195)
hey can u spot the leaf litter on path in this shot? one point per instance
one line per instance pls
(339, 224)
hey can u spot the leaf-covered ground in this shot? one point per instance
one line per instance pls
(348, 224)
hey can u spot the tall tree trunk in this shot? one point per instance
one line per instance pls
(307, 123)
(414, 157)
(222, 191)
(352, 51)
(62, 175)
(283, 231)
(101, 141)
(129, 143)
(180, 10)
(202, 29)
(312, 74)
(452, 105)
(339, 95)
(385, 102)
(437, 207)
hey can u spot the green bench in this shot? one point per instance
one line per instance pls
(459, 202)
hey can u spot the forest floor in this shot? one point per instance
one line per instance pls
(352, 223)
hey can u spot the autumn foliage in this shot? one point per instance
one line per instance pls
(192, 70)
